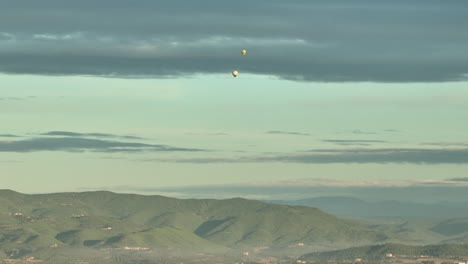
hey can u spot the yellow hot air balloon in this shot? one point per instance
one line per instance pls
(235, 73)
(243, 52)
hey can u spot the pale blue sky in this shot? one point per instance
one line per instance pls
(126, 96)
(229, 118)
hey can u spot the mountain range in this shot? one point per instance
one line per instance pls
(39, 222)
(351, 206)
(60, 224)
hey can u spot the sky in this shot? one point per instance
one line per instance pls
(139, 97)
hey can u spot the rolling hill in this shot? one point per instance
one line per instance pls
(30, 223)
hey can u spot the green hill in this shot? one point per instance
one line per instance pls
(109, 220)
(378, 252)
(412, 232)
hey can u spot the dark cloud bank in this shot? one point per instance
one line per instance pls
(103, 142)
(79, 144)
(75, 134)
(324, 40)
(465, 179)
(358, 142)
(323, 156)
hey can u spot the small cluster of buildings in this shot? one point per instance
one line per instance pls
(135, 248)
(78, 215)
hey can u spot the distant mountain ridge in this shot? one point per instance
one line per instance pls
(351, 206)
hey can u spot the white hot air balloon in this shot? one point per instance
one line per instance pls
(235, 73)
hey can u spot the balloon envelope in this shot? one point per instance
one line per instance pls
(243, 52)
(235, 73)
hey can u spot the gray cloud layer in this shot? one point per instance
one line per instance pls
(8, 135)
(447, 144)
(459, 179)
(384, 155)
(11, 98)
(359, 132)
(15, 98)
(76, 144)
(324, 40)
(75, 134)
(356, 142)
(288, 133)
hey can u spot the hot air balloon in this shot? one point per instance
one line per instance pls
(235, 73)
(243, 52)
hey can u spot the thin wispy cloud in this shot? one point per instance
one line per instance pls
(76, 144)
(348, 42)
(353, 142)
(351, 183)
(11, 98)
(207, 134)
(447, 144)
(465, 179)
(75, 134)
(287, 133)
(9, 135)
(4, 36)
(326, 156)
(16, 98)
(57, 37)
(360, 132)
